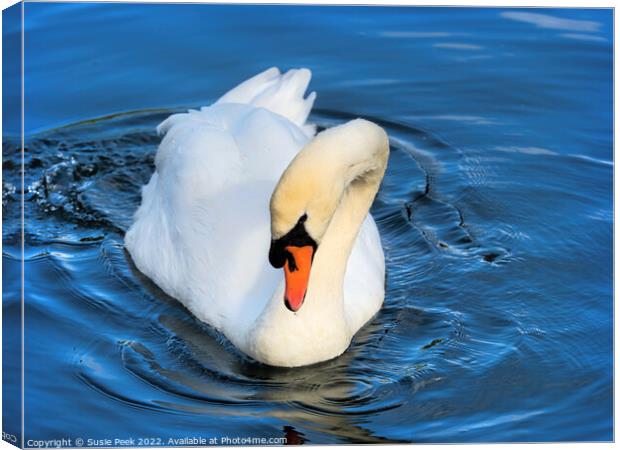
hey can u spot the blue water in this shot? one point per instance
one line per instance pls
(495, 215)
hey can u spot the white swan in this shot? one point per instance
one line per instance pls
(206, 225)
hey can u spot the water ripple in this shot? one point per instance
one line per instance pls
(440, 224)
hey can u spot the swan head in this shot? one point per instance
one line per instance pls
(301, 208)
(348, 158)
(294, 251)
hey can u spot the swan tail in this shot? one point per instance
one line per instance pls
(279, 93)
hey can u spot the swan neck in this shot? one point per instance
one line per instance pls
(333, 180)
(359, 173)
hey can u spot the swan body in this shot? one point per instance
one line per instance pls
(244, 179)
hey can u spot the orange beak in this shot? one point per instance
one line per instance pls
(296, 275)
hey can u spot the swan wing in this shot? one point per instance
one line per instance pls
(202, 230)
(280, 93)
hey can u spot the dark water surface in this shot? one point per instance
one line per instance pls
(495, 215)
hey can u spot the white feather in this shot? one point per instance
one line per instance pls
(202, 231)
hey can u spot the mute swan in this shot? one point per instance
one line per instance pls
(245, 182)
